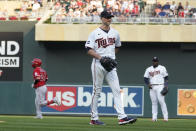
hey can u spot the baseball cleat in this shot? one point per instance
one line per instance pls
(154, 120)
(127, 120)
(96, 122)
(57, 101)
(165, 120)
(38, 117)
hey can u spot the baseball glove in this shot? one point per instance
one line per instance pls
(108, 63)
(164, 91)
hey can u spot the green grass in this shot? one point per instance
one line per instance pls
(64, 123)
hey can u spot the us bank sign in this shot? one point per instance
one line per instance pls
(77, 99)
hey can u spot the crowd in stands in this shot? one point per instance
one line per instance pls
(174, 10)
(25, 10)
(122, 8)
(93, 8)
(85, 8)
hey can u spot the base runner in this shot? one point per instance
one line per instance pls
(40, 78)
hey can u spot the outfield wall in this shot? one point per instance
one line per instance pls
(68, 63)
(128, 32)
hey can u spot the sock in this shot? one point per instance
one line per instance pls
(50, 102)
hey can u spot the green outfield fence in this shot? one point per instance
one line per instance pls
(18, 98)
(67, 63)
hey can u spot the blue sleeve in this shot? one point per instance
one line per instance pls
(166, 81)
(146, 80)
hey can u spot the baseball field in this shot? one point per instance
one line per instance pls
(64, 123)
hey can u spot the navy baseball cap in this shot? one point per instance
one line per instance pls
(155, 59)
(106, 14)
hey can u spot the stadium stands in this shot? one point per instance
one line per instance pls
(125, 11)
(87, 11)
(21, 9)
(174, 9)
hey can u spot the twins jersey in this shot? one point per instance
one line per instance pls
(41, 75)
(156, 75)
(104, 43)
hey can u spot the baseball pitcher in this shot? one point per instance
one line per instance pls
(102, 45)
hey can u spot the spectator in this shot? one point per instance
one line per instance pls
(130, 5)
(93, 2)
(157, 11)
(71, 13)
(67, 5)
(94, 9)
(141, 4)
(187, 6)
(77, 13)
(116, 6)
(99, 9)
(162, 14)
(111, 3)
(158, 5)
(192, 12)
(117, 13)
(96, 16)
(24, 6)
(79, 3)
(4, 13)
(166, 6)
(57, 5)
(40, 2)
(83, 13)
(135, 10)
(36, 6)
(173, 6)
(187, 9)
(181, 13)
(1, 13)
(104, 3)
(73, 4)
(98, 3)
(194, 15)
(124, 5)
(180, 7)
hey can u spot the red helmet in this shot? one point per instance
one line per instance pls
(36, 62)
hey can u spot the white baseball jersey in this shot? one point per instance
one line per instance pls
(156, 75)
(156, 78)
(104, 43)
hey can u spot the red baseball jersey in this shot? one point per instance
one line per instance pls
(40, 75)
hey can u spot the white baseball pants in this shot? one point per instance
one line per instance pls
(98, 74)
(156, 96)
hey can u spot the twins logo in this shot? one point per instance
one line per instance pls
(77, 99)
(154, 73)
(105, 42)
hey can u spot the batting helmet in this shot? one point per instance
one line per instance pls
(36, 62)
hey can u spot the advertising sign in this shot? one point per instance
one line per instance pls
(77, 100)
(186, 102)
(11, 55)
